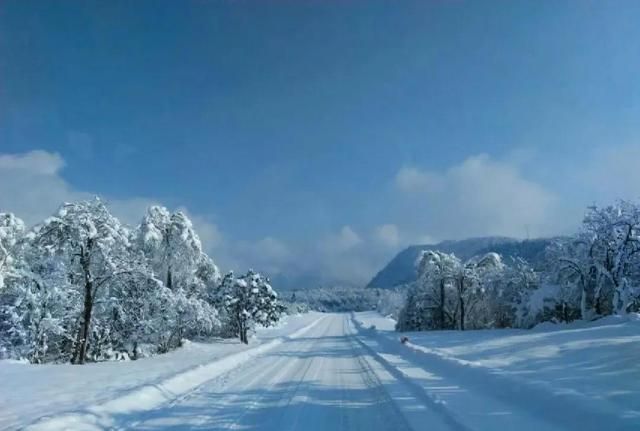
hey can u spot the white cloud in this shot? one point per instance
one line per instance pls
(32, 163)
(425, 239)
(344, 240)
(273, 248)
(350, 257)
(268, 254)
(612, 173)
(410, 179)
(208, 231)
(481, 196)
(31, 187)
(388, 235)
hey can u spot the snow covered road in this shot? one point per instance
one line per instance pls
(337, 378)
(320, 381)
(332, 372)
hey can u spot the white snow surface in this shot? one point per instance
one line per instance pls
(582, 376)
(30, 392)
(338, 372)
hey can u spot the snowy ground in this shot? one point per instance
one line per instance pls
(332, 372)
(29, 392)
(579, 376)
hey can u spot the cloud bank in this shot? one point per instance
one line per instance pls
(478, 196)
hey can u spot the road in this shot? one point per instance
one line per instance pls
(320, 381)
(338, 373)
(334, 377)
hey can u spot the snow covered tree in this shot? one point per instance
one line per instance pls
(38, 310)
(390, 301)
(417, 312)
(11, 232)
(81, 286)
(510, 293)
(612, 234)
(34, 298)
(170, 244)
(93, 246)
(208, 274)
(249, 300)
(174, 251)
(448, 292)
(471, 280)
(430, 302)
(570, 266)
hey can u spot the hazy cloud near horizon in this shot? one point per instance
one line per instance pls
(478, 196)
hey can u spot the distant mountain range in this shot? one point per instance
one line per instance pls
(401, 269)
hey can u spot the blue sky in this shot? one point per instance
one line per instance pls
(333, 133)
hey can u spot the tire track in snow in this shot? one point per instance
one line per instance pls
(514, 404)
(434, 404)
(243, 379)
(290, 394)
(253, 375)
(276, 380)
(374, 384)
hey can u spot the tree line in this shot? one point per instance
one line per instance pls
(594, 273)
(81, 286)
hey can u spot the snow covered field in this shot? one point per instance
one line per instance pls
(334, 372)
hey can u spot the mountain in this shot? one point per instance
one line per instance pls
(401, 269)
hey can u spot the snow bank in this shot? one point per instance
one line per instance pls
(93, 393)
(585, 373)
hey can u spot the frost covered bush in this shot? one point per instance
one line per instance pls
(81, 287)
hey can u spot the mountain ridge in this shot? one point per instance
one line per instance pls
(401, 269)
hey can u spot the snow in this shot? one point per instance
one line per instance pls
(42, 390)
(349, 371)
(583, 373)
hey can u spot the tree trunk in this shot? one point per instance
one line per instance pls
(583, 304)
(239, 323)
(442, 299)
(242, 332)
(598, 304)
(83, 336)
(134, 354)
(80, 354)
(461, 302)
